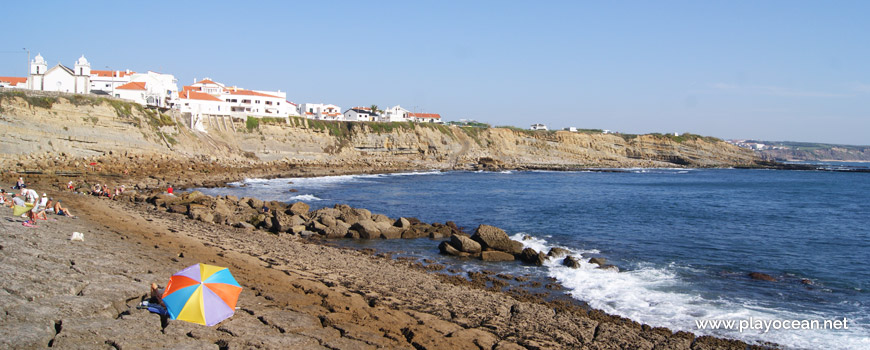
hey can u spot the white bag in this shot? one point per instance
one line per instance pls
(77, 236)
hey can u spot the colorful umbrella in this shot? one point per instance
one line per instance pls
(203, 294)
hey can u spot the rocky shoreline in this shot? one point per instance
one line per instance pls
(335, 298)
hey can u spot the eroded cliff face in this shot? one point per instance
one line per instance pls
(56, 130)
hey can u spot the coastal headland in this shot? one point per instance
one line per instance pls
(299, 292)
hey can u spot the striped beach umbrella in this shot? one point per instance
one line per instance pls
(203, 294)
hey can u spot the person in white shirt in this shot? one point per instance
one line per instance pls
(30, 195)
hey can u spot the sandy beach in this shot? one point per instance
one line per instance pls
(297, 294)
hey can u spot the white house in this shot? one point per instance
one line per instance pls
(424, 118)
(538, 127)
(320, 111)
(360, 114)
(60, 77)
(13, 82)
(149, 89)
(394, 114)
(258, 103)
(106, 81)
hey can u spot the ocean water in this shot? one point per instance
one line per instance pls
(684, 240)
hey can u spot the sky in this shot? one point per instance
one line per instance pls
(767, 70)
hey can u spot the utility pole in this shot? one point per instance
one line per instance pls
(113, 80)
(27, 76)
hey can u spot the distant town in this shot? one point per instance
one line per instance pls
(202, 100)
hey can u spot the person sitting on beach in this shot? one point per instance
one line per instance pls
(39, 209)
(16, 200)
(169, 189)
(97, 190)
(2, 196)
(70, 186)
(59, 210)
(30, 196)
(20, 184)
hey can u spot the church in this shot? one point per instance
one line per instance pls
(60, 77)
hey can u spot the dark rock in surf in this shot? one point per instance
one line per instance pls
(761, 277)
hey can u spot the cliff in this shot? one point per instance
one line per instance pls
(67, 132)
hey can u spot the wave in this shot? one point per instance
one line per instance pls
(659, 297)
(305, 198)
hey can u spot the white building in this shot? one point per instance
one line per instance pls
(320, 111)
(13, 82)
(107, 80)
(394, 114)
(60, 77)
(258, 103)
(424, 118)
(538, 127)
(149, 89)
(360, 114)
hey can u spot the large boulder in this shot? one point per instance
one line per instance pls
(282, 222)
(571, 262)
(331, 212)
(222, 212)
(413, 232)
(367, 229)
(253, 202)
(299, 208)
(402, 223)
(556, 252)
(494, 255)
(598, 261)
(465, 244)
(382, 219)
(337, 230)
(493, 238)
(391, 232)
(200, 212)
(447, 249)
(532, 256)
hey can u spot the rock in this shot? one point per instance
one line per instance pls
(531, 256)
(327, 221)
(494, 255)
(571, 262)
(177, 208)
(447, 249)
(413, 233)
(609, 267)
(200, 212)
(282, 222)
(382, 218)
(367, 229)
(598, 261)
(232, 198)
(402, 223)
(331, 212)
(452, 226)
(391, 232)
(806, 281)
(299, 208)
(439, 232)
(556, 252)
(244, 225)
(465, 244)
(761, 277)
(516, 248)
(253, 202)
(297, 229)
(337, 230)
(493, 238)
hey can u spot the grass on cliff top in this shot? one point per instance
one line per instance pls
(675, 138)
(33, 101)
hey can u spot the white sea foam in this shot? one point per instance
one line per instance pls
(305, 198)
(657, 296)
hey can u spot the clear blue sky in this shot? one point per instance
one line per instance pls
(773, 70)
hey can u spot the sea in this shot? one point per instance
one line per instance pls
(684, 240)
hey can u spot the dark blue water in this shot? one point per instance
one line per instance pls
(684, 239)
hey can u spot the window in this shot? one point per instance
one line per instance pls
(246, 101)
(269, 103)
(257, 101)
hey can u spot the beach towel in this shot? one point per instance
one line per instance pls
(18, 210)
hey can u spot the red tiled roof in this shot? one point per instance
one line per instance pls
(109, 73)
(133, 85)
(13, 80)
(291, 103)
(424, 115)
(206, 81)
(194, 95)
(248, 93)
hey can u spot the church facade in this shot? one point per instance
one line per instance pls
(60, 78)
